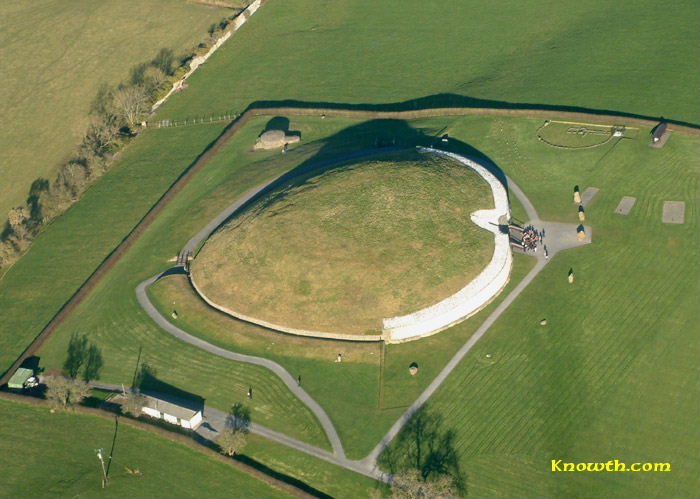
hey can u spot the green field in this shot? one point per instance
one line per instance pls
(637, 58)
(614, 375)
(543, 171)
(53, 455)
(341, 249)
(56, 54)
(112, 314)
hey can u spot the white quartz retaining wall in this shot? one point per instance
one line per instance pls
(479, 292)
(466, 302)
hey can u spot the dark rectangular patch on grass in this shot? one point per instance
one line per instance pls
(625, 206)
(674, 212)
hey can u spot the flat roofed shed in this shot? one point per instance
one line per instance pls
(185, 413)
(19, 378)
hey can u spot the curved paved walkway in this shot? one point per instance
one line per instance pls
(281, 372)
(558, 235)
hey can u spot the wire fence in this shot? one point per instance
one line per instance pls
(198, 120)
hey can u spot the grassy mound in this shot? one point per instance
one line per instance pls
(340, 250)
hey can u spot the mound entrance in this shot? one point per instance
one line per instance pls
(339, 250)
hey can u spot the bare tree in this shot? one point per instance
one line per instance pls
(134, 401)
(153, 78)
(64, 393)
(411, 485)
(130, 104)
(232, 441)
(101, 135)
(17, 218)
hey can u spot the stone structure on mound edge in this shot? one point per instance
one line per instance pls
(275, 139)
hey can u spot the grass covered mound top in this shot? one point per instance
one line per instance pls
(340, 250)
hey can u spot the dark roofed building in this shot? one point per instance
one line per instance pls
(659, 135)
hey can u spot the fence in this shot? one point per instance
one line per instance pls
(199, 120)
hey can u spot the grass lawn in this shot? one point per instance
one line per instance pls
(334, 481)
(638, 58)
(55, 55)
(369, 385)
(53, 455)
(340, 250)
(68, 250)
(113, 320)
(614, 374)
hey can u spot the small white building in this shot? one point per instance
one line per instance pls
(181, 413)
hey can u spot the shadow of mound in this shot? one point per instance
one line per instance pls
(455, 101)
(376, 139)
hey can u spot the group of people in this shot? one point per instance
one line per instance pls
(531, 238)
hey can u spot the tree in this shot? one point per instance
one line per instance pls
(71, 181)
(153, 78)
(17, 218)
(130, 104)
(165, 61)
(235, 436)
(101, 135)
(411, 485)
(232, 441)
(63, 392)
(133, 403)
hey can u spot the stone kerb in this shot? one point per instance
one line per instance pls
(479, 292)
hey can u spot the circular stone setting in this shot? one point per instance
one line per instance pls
(336, 252)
